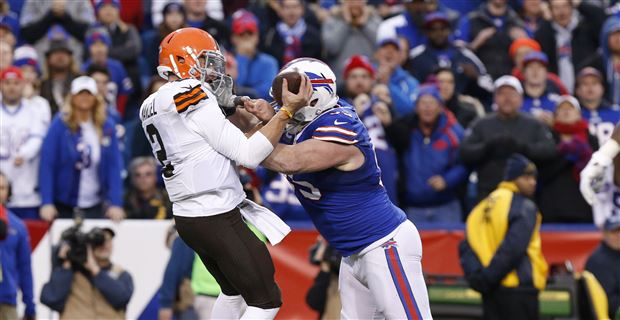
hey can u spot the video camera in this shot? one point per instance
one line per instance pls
(79, 241)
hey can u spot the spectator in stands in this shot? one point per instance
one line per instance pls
(428, 145)
(601, 115)
(43, 21)
(489, 31)
(7, 31)
(539, 93)
(255, 69)
(99, 45)
(6, 55)
(174, 17)
(81, 147)
(368, 99)
(144, 199)
(9, 20)
(470, 74)
(492, 139)
(60, 72)
(466, 109)
(502, 240)
(571, 38)
(600, 263)
(124, 46)
(292, 37)
(106, 89)
(610, 45)
(409, 25)
(519, 49)
(350, 29)
(15, 265)
(559, 176)
(199, 17)
(23, 126)
(533, 13)
(97, 289)
(403, 88)
(26, 58)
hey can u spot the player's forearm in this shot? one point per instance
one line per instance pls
(282, 159)
(274, 128)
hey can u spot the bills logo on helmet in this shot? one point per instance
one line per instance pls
(320, 81)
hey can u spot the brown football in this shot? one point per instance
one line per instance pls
(293, 80)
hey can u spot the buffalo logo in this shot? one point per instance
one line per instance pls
(320, 81)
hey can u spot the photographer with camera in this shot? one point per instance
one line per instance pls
(86, 284)
(323, 296)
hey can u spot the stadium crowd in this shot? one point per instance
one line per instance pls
(448, 90)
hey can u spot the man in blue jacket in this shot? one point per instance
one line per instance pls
(428, 143)
(98, 289)
(15, 267)
(470, 74)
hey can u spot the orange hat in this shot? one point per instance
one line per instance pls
(523, 42)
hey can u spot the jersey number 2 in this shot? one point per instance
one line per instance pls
(161, 153)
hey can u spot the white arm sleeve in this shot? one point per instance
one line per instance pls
(208, 121)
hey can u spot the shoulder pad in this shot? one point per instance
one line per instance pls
(337, 125)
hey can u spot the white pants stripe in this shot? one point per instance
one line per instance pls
(371, 284)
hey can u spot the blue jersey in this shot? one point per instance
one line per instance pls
(351, 209)
(602, 121)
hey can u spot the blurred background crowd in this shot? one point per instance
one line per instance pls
(420, 74)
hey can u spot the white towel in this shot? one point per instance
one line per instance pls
(265, 221)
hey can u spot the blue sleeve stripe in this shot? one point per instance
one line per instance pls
(337, 130)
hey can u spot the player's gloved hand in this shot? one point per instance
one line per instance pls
(478, 282)
(223, 91)
(293, 102)
(592, 176)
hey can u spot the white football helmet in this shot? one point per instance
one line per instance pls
(323, 82)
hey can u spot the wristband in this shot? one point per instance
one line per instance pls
(288, 113)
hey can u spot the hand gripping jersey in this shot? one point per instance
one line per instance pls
(199, 179)
(351, 209)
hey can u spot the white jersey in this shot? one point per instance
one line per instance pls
(608, 203)
(22, 129)
(197, 146)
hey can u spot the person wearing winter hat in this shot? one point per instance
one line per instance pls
(559, 176)
(519, 49)
(490, 141)
(98, 44)
(24, 123)
(372, 101)
(428, 143)
(502, 237)
(174, 17)
(27, 59)
(539, 92)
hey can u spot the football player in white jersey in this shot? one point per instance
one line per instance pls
(199, 148)
(592, 174)
(23, 124)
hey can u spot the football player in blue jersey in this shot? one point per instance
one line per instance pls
(330, 161)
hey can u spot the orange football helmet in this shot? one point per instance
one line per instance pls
(191, 52)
